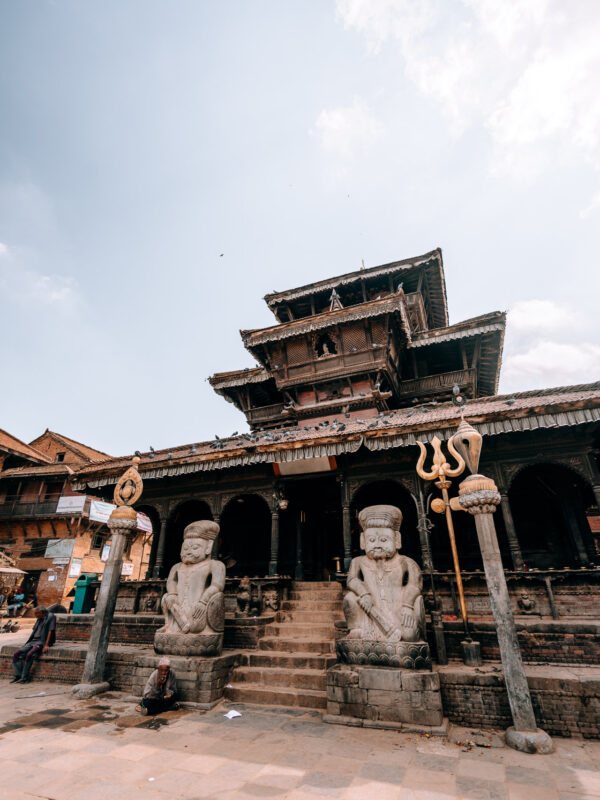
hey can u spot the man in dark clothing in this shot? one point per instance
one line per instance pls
(41, 638)
(160, 691)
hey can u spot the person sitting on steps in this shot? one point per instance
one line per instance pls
(160, 692)
(41, 638)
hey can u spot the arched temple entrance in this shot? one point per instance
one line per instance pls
(190, 511)
(548, 503)
(392, 493)
(310, 539)
(245, 538)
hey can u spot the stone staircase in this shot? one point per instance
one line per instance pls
(289, 668)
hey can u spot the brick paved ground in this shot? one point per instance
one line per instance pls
(52, 746)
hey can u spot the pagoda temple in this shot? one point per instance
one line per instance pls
(353, 372)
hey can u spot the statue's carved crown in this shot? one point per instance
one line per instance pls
(380, 517)
(204, 529)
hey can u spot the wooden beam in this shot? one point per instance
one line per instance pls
(463, 354)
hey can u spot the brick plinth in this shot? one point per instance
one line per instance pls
(384, 697)
(240, 632)
(540, 641)
(566, 701)
(199, 680)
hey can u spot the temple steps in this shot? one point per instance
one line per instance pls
(310, 630)
(280, 676)
(296, 645)
(294, 661)
(290, 665)
(277, 696)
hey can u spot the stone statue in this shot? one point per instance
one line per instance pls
(384, 607)
(194, 604)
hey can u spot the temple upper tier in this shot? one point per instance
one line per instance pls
(361, 344)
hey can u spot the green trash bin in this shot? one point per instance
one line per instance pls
(85, 590)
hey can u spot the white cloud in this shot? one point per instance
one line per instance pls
(541, 316)
(3, 249)
(347, 130)
(28, 286)
(526, 72)
(592, 206)
(549, 363)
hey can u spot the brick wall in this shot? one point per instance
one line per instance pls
(240, 633)
(548, 642)
(565, 704)
(198, 680)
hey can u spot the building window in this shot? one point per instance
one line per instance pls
(59, 457)
(325, 346)
(98, 540)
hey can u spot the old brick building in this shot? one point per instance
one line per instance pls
(48, 529)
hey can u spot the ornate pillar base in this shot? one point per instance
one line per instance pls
(536, 741)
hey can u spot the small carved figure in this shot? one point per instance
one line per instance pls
(243, 597)
(271, 599)
(384, 602)
(527, 604)
(194, 604)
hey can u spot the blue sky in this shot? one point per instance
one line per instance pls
(141, 139)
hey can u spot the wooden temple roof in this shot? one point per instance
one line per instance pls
(498, 414)
(435, 278)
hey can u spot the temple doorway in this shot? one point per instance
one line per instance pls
(310, 528)
(245, 539)
(184, 514)
(548, 504)
(389, 493)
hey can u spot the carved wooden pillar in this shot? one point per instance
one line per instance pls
(217, 541)
(157, 571)
(347, 534)
(346, 524)
(511, 533)
(299, 573)
(274, 542)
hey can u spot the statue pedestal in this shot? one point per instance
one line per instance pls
(404, 655)
(188, 644)
(385, 697)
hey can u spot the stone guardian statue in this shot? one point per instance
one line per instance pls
(194, 603)
(384, 606)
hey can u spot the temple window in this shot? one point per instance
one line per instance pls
(325, 346)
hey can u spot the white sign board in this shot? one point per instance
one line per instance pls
(100, 511)
(60, 562)
(143, 522)
(71, 505)
(75, 567)
(127, 568)
(59, 548)
(105, 552)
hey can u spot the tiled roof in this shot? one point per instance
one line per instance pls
(562, 406)
(14, 446)
(46, 470)
(238, 377)
(88, 453)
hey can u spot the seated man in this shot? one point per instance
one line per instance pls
(160, 691)
(15, 602)
(41, 638)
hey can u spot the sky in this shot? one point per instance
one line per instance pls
(166, 163)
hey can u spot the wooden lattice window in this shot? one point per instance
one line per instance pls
(354, 339)
(378, 332)
(297, 351)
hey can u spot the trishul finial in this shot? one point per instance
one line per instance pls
(441, 469)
